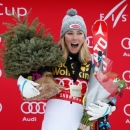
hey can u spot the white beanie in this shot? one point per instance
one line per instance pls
(72, 21)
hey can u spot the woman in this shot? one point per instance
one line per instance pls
(65, 110)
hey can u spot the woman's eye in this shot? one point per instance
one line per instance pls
(69, 33)
(80, 33)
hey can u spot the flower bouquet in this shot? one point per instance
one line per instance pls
(104, 84)
(30, 51)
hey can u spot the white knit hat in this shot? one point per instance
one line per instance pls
(72, 21)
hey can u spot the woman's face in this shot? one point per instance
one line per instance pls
(74, 39)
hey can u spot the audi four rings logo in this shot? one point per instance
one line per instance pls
(33, 107)
(125, 43)
(126, 76)
(0, 107)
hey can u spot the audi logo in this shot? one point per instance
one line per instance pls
(33, 107)
(0, 107)
(70, 82)
(126, 76)
(89, 42)
(126, 107)
(125, 43)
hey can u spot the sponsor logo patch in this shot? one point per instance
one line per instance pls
(75, 26)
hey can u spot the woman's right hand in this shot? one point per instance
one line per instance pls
(27, 87)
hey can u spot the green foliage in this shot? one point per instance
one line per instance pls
(85, 123)
(27, 49)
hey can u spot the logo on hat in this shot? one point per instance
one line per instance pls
(75, 26)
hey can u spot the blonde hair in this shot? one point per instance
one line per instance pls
(84, 53)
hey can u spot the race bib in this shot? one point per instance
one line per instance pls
(75, 90)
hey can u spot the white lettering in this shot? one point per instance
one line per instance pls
(63, 95)
(127, 121)
(29, 119)
(101, 16)
(9, 13)
(119, 15)
(126, 54)
(101, 45)
(21, 11)
(124, 17)
(102, 42)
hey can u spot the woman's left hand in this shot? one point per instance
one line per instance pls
(99, 110)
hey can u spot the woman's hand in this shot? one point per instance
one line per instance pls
(27, 87)
(99, 110)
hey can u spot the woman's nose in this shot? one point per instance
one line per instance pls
(75, 37)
